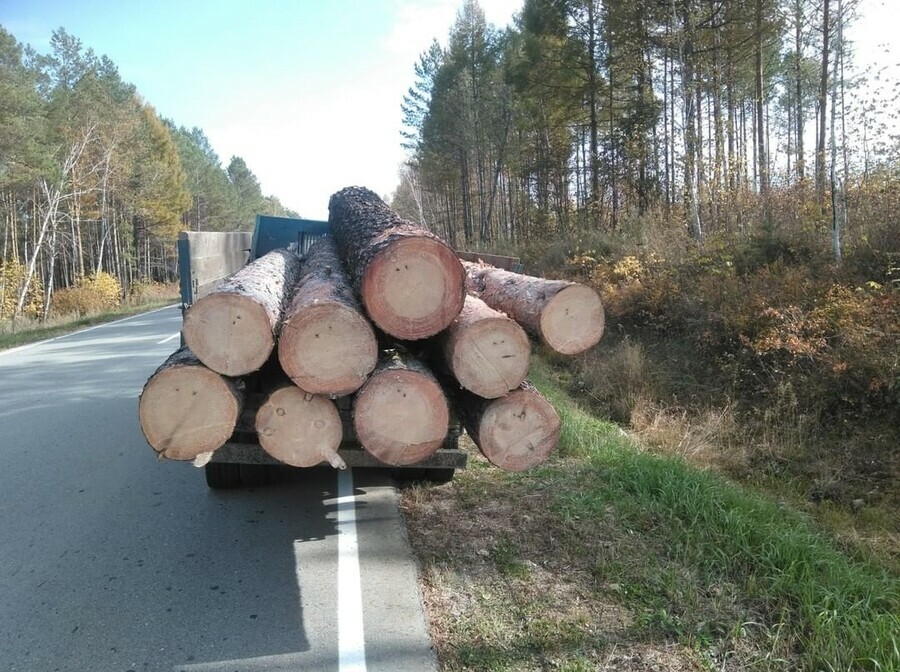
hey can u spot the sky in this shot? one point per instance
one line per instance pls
(308, 92)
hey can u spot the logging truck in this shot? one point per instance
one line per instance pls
(208, 259)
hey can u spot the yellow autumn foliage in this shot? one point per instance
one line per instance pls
(12, 275)
(92, 294)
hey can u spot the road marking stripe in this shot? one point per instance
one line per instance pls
(169, 338)
(351, 637)
(82, 331)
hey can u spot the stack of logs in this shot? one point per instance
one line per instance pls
(382, 309)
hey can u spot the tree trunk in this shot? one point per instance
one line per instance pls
(299, 428)
(409, 280)
(401, 415)
(487, 352)
(232, 330)
(186, 410)
(823, 103)
(515, 432)
(326, 345)
(566, 316)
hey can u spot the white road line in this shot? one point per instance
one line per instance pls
(351, 636)
(82, 331)
(169, 338)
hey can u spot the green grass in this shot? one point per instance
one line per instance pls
(23, 331)
(834, 611)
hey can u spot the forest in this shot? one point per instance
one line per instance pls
(728, 180)
(94, 185)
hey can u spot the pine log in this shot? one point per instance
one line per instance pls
(401, 415)
(299, 428)
(326, 344)
(186, 409)
(410, 282)
(232, 330)
(515, 432)
(487, 352)
(566, 316)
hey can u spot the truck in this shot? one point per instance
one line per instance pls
(205, 260)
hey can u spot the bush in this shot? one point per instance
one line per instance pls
(12, 275)
(92, 294)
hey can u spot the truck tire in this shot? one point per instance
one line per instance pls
(254, 475)
(439, 475)
(222, 475)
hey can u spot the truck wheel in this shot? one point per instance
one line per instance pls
(254, 475)
(222, 475)
(439, 475)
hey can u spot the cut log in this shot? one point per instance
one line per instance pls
(401, 415)
(186, 409)
(487, 352)
(515, 432)
(299, 428)
(410, 282)
(232, 329)
(566, 316)
(326, 344)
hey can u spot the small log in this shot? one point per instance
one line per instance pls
(515, 432)
(299, 428)
(232, 329)
(487, 352)
(410, 282)
(326, 344)
(186, 409)
(566, 316)
(401, 415)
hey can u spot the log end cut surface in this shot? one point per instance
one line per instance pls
(187, 410)
(414, 288)
(229, 333)
(328, 349)
(298, 428)
(491, 358)
(401, 417)
(519, 431)
(573, 320)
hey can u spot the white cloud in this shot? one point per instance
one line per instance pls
(320, 136)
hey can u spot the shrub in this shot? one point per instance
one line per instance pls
(92, 294)
(12, 275)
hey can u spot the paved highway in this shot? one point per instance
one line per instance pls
(110, 560)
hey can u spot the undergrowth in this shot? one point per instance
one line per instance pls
(840, 612)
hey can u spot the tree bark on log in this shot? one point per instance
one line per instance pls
(566, 316)
(401, 415)
(326, 344)
(186, 409)
(515, 432)
(299, 428)
(486, 352)
(410, 282)
(232, 330)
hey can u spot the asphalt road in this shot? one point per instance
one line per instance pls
(111, 560)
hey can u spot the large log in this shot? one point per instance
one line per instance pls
(186, 409)
(299, 428)
(410, 282)
(232, 329)
(326, 345)
(566, 316)
(487, 352)
(401, 415)
(515, 432)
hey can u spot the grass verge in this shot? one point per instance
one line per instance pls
(23, 331)
(610, 557)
